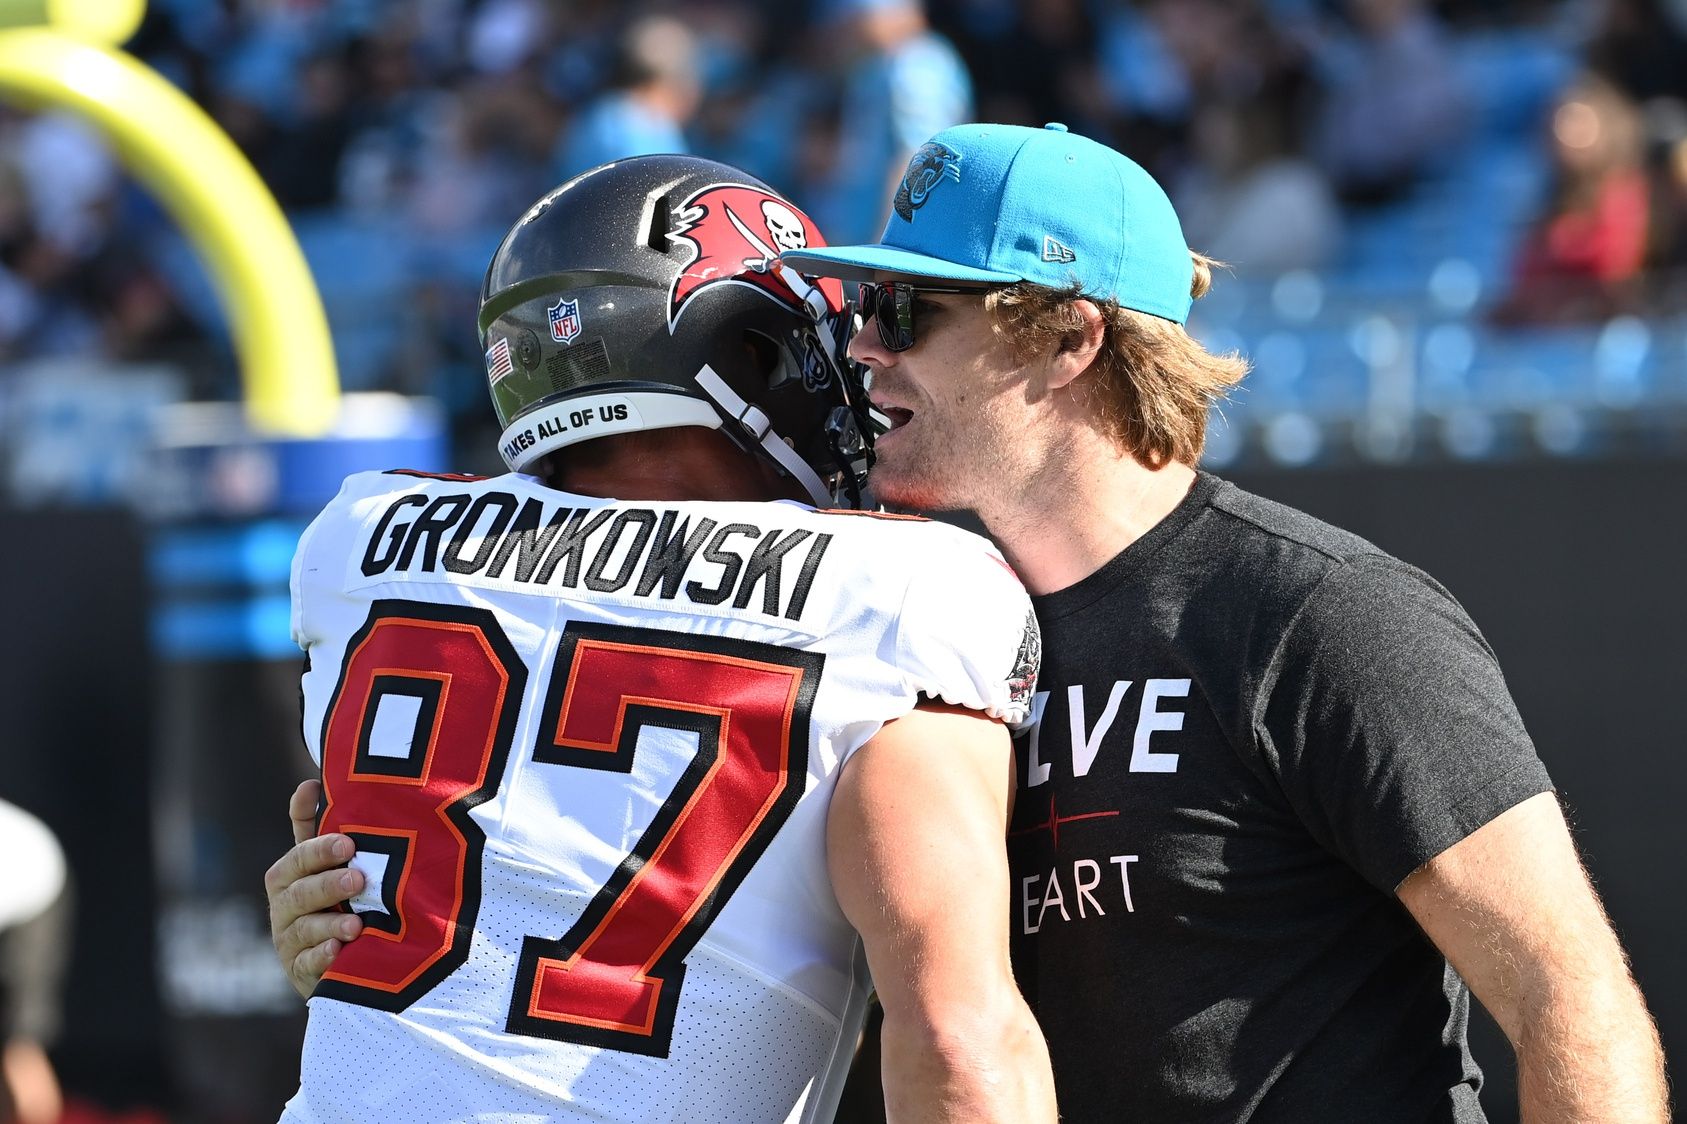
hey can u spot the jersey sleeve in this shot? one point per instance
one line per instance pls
(1389, 724)
(319, 560)
(967, 634)
(304, 574)
(318, 586)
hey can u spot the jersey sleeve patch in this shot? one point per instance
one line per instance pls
(968, 634)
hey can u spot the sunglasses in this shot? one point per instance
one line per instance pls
(891, 304)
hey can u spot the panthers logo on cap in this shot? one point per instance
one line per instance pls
(931, 165)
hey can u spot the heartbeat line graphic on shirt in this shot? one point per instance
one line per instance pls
(1052, 824)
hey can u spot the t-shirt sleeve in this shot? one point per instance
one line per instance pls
(967, 635)
(1388, 722)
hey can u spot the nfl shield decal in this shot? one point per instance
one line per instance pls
(565, 320)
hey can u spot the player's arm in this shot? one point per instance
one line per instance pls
(304, 886)
(1512, 909)
(918, 859)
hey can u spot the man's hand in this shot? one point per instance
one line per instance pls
(304, 886)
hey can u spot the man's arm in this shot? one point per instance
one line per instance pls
(1512, 909)
(916, 842)
(304, 886)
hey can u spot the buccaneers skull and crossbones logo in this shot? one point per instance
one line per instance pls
(738, 233)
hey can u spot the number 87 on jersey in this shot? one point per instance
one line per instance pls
(444, 685)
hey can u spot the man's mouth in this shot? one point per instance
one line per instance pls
(895, 415)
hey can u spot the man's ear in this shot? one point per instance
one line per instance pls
(1080, 348)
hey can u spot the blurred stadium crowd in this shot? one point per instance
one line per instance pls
(1455, 229)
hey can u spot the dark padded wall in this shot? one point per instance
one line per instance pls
(1577, 574)
(77, 689)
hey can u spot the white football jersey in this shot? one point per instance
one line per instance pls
(586, 748)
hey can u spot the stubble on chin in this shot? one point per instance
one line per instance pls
(913, 493)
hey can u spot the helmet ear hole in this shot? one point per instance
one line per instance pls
(769, 358)
(657, 238)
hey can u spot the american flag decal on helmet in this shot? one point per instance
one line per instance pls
(498, 360)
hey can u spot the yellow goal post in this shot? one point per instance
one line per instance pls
(63, 54)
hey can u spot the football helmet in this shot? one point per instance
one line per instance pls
(648, 293)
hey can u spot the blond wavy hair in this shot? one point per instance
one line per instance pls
(1152, 386)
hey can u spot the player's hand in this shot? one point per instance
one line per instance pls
(304, 886)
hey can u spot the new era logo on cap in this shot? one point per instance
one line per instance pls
(1057, 251)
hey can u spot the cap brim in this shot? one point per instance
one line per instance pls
(863, 263)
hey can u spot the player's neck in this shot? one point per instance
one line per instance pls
(666, 466)
(663, 486)
(1081, 513)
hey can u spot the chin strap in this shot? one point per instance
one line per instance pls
(759, 427)
(849, 448)
(814, 300)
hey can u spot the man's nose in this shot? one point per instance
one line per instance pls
(866, 346)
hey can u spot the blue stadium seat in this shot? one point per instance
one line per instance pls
(1513, 74)
(364, 270)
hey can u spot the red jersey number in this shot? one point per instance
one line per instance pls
(457, 674)
(614, 978)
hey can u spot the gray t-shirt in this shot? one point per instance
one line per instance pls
(1254, 726)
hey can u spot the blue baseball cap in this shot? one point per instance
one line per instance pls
(994, 204)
